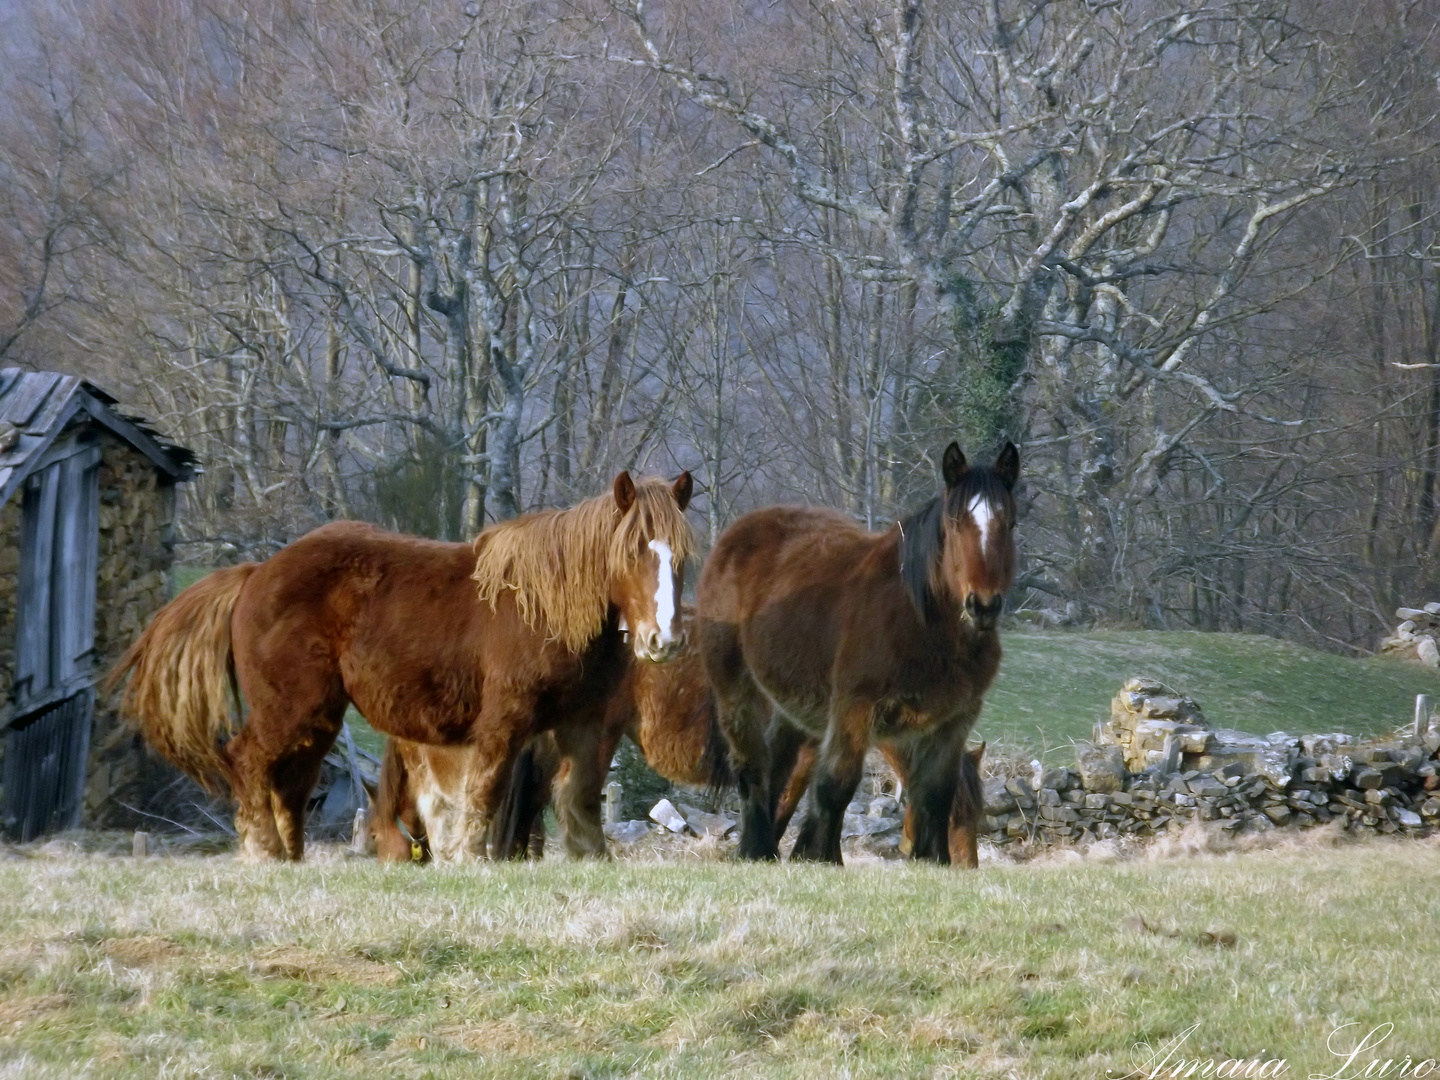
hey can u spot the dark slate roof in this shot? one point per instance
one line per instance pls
(36, 406)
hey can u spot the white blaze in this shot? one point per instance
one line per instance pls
(982, 513)
(664, 590)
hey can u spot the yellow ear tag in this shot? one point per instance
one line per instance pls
(416, 852)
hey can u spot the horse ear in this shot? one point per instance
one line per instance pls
(624, 492)
(952, 465)
(977, 754)
(1007, 465)
(684, 486)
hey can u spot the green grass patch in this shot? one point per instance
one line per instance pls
(203, 966)
(1054, 686)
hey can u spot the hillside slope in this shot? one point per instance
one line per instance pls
(1053, 686)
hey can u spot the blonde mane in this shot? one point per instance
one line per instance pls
(559, 563)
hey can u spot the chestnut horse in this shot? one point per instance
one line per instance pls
(667, 710)
(812, 628)
(436, 642)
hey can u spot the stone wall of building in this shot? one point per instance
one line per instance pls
(137, 526)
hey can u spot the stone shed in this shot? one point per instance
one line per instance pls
(87, 508)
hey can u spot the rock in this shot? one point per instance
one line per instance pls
(1410, 614)
(665, 814)
(1427, 652)
(1431, 807)
(1049, 776)
(1407, 818)
(1367, 779)
(705, 824)
(627, 832)
(881, 806)
(1433, 608)
(1049, 797)
(1102, 768)
(865, 825)
(998, 799)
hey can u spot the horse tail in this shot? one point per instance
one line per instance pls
(181, 691)
(531, 778)
(715, 762)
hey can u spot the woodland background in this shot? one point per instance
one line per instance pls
(435, 263)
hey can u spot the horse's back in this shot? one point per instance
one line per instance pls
(391, 619)
(778, 552)
(344, 563)
(782, 591)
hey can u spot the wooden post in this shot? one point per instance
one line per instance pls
(614, 794)
(140, 844)
(1422, 714)
(361, 842)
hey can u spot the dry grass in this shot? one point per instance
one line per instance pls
(205, 967)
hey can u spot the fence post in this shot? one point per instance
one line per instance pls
(614, 794)
(1422, 714)
(140, 844)
(361, 842)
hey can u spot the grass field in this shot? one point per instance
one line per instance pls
(111, 967)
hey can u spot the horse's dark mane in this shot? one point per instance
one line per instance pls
(923, 533)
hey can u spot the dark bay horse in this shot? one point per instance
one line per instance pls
(812, 628)
(666, 710)
(435, 642)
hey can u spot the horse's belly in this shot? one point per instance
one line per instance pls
(811, 713)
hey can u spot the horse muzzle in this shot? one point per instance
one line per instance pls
(651, 646)
(984, 614)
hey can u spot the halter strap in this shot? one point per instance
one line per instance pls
(417, 852)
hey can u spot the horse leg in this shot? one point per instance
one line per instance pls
(577, 795)
(292, 780)
(743, 721)
(506, 722)
(840, 764)
(934, 760)
(964, 840)
(789, 772)
(250, 783)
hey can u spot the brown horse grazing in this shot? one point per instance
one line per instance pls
(351, 613)
(419, 800)
(964, 828)
(667, 710)
(810, 627)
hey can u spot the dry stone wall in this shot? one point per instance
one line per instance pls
(1157, 765)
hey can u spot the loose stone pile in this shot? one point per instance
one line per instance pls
(1158, 765)
(1418, 635)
